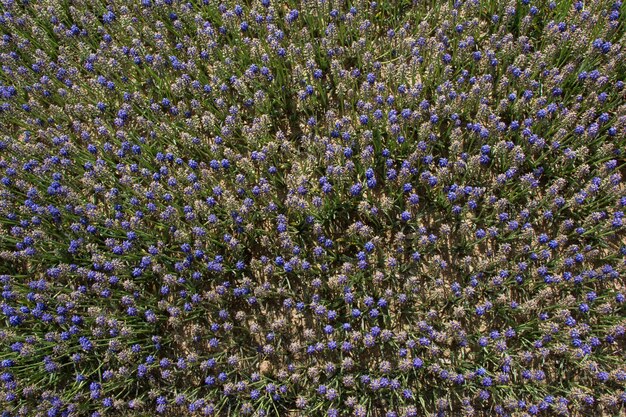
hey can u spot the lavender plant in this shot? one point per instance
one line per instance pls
(312, 208)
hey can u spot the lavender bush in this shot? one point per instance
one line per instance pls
(314, 208)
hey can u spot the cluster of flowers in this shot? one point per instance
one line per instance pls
(312, 208)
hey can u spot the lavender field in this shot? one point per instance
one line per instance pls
(324, 208)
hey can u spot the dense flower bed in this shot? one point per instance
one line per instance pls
(315, 208)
